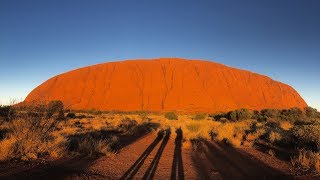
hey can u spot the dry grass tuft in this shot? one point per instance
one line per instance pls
(30, 139)
(232, 132)
(307, 160)
(286, 125)
(274, 137)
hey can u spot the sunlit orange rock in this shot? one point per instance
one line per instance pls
(165, 84)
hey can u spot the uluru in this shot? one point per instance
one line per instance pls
(165, 84)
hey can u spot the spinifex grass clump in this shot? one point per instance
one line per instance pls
(199, 116)
(171, 115)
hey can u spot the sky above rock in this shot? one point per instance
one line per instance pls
(40, 39)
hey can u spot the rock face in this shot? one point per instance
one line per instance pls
(165, 84)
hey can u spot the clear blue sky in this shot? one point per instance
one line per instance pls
(278, 38)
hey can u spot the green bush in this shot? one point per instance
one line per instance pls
(171, 116)
(244, 114)
(293, 114)
(240, 114)
(270, 113)
(199, 116)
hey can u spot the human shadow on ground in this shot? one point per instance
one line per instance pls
(149, 174)
(76, 166)
(129, 174)
(215, 160)
(280, 153)
(177, 157)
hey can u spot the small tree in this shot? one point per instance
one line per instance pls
(55, 107)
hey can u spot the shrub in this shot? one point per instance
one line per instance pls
(60, 116)
(293, 114)
(218, 116)
(127, 124)
(95, 112)
(232, 115)
(144, 116)
(193, 127)
(270, 113)
(199, 116)
(307, 160)
(285, 125)
(274, 137)
(81, 116)
(55, 107)
(307, 136)
(7, 112)
(240, 114)
(243, 114)
(232, 132)
(89, 146)
(311, 112)
(171, 116)
(30, 139)
(71, 115)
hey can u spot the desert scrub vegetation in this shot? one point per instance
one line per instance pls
(42, 132)
(307, 160)
(6, 113)
(199, 116)
(30, 139)
(236, 115)
(307, 136)
(288, 129)
(171, 115)
(232, 132)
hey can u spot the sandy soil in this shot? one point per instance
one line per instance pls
(162, 157)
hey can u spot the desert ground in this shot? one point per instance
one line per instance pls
(142, 145)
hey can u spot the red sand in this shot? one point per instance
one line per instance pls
(163, 85)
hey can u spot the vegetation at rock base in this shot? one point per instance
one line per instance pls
(37, 132)
(171, 115)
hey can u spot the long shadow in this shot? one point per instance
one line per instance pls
(143, 129)
(129, 174)
(60, 169)
(280, 153)
(77, 166)
(154, 164)
(227, 162)
(177, 157)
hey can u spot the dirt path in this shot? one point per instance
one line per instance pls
(158, 157)
(162, 157)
